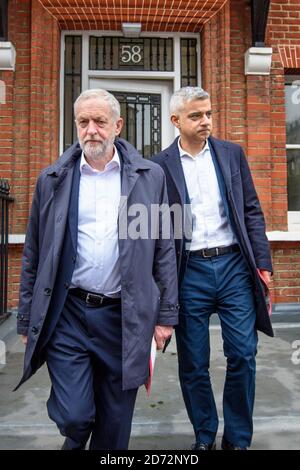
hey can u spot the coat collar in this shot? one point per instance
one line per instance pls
(132, 164)
(174, 165)
(65, 161)
(130, 156)
(131, 161)
(63, 171)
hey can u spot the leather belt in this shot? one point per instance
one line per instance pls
(218, 251)
(92, 298)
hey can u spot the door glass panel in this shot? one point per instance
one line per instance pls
(188, 58)
(131, 133)
(142, 120)
(72, 86)
(117, 53)
(139, 125)
(147, 131)
(293, 163)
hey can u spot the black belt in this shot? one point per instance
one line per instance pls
(218, 251)
(91, 298)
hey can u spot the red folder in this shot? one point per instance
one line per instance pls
(148, 383)
(267, 293)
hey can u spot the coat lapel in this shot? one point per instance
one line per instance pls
(131, 166)
(222, 152)
(61, 206)
(174, 166)
(62, 190)
(73, 206)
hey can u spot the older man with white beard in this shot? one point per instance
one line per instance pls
(90, 300)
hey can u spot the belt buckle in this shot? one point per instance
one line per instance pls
(210, 256)
(98, 296)
(203, 253)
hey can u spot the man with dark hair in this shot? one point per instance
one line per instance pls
(222, 256)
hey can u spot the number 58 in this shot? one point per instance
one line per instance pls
(131, 54)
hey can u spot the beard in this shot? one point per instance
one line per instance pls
(96, 150)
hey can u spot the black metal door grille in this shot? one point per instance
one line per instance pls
(5, 200)
(142, 121)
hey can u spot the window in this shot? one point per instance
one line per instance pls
(142, 121)
(292, 105)
(117, 53)
(73, 52)
(188, 56)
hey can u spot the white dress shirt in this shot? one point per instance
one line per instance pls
(97, 262)
(211, 227)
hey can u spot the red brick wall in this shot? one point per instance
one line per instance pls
(241, 103)
(283, 34)
(247, 110)
(29, 121)
(286, 261)
(215, 66)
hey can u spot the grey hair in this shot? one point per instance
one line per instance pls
(186, 94)
(102, 94)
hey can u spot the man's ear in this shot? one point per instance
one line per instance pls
(119, 126)
(175, 121)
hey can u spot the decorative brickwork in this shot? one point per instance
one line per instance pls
(249, 110)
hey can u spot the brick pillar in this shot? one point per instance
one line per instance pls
(215, 66)
(258, 139)
(44, 97)
(29, 120)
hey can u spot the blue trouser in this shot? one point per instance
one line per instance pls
(224, 285)
(84, 359)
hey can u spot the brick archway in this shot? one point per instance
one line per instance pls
(155, 15)
(289, 56)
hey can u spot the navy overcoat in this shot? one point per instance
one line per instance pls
(147, 264)
(244, 211)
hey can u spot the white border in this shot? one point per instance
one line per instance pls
(86, 74)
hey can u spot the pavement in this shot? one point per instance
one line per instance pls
(160, 421)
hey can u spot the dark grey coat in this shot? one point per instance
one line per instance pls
(148, 267)
(243, 207)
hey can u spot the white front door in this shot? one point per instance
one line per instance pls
(145, 110)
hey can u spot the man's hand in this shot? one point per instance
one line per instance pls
(266, 276)
(24, 339)
(161, 334)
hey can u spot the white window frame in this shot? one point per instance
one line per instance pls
(293, 216)
(86, 74)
